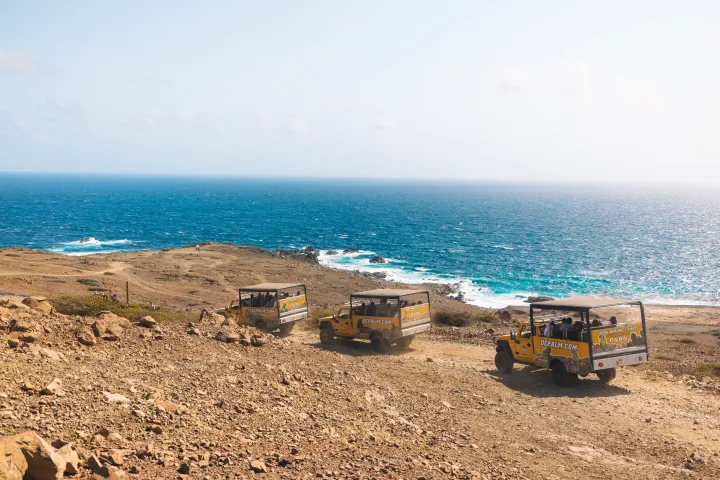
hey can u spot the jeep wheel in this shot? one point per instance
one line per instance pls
(503, 362)
(286, 328)
(404, 342)
(379, 343)
(327, 335)
(561, 376)
(607, 376)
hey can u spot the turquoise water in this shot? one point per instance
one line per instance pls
(501, 242)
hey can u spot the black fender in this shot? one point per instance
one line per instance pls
(504, 346)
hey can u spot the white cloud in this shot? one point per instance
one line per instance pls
(296, 126)
(639, 94)
(385, 122)
(574, 79)
(515, 79)
(12, 61)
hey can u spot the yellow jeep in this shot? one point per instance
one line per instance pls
(385, 316)
(270, 306)
(564, 336)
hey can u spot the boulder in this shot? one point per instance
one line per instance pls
(232, 338)
(115, 398)
(26, 455)
(51, 354)
(38, 303)
(109, 326)
(86, 338)
(147, 322)
(350, 250)
(28, 337)
(538, 298)
(21, 326)
(13, 305)
(53, 388)
(378, 259)
(258, 340)
(258, 467)
(229, 322)
(111, 317)
(71, 459)
(169, 407)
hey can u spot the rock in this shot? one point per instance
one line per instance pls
(232, 338)
(13, 305)
(52, 354)
(258, 467)
(86, 338)
(107, 330)
(221, 337)
(169, 407)
(538, 298)
(71, 459)
(350, 250)
(331, 252)
(115, 398)
(13, 342)
(28, 337)
(258, 340)
(157, 429)
(21, 326)
(504, 315)
(147, 322)
(707, 380)
(53, 388)
(184, 469)
(26, 455)
(194, 331)
(229, 322)
(38, 303)
(378, 259)
(94, 464)
(27, 387)
(109, 326)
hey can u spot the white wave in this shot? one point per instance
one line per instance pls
(94, 242)
(94, 252)
(474, 295)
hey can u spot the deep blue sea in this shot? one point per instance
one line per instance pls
(501, 242)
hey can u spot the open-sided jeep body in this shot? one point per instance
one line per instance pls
(270, 306)
(590, 342)
(384, 316)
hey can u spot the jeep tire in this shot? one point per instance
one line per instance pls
(327, 335)
(561, 376)
(607, 376)
(379, 343)
(503, 362)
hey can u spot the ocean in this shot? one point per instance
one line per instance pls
(499, 241)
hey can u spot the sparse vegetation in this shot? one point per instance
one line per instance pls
(13, 255)
(91, 305)
(665, 357)
(88, 281)
(687, 341)
(708, 369)
(463, 319)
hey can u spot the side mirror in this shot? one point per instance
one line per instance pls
(334, 317)
(512, 335)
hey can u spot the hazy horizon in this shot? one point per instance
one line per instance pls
(465, 91)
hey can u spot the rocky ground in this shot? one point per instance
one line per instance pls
(147, 400)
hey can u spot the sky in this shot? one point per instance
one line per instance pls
(464, 89)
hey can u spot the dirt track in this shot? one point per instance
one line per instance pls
(438, 410)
